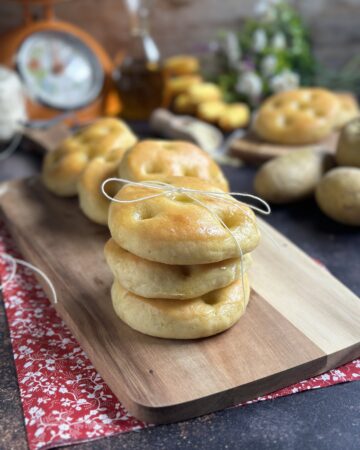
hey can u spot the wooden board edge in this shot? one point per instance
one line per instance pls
(232, 397)
(226, 399)
(255, 151)
(317, 266)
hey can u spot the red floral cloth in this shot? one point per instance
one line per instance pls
(63, 397)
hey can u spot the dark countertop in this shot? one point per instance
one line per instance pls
(319, 419)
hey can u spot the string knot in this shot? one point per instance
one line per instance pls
(168, 190)
(179, 190)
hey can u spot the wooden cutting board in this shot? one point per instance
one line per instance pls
(254, 150)
(300, 321)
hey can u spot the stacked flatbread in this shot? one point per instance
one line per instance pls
(178, 271)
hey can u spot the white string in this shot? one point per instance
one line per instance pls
(170, 189)
(15, 262)
(12, 147)
(232, 235)
(13, 270)
(190, 193)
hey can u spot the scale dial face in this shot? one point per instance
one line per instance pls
(59, 70)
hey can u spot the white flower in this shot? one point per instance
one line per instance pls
(64, 427)
(65, 402)
(15, 301)
(278, 41)
(39, 431)
(63, 390)
(25, 349)
(65, 435)
(249, 84)
(105, 418)
(265, 10)
(284, 81)
(36, 412)
(232, 48)
(259, 41)
(268, 65)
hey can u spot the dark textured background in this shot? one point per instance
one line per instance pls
(334, 24)
(320, 419)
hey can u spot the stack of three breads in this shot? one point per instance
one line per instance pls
(178, 271)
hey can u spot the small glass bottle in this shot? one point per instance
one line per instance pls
(140, 78)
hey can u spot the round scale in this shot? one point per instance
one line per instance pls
(59, 70)
(63, 68)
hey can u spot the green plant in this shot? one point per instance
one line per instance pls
(270, 53)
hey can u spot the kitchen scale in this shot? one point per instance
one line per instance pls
(63, 68)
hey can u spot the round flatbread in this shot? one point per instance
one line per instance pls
(204, 316)
(297, 117)
(151, 279)
(154, 160)
(177, 229)
(92, 201)
(62, 167)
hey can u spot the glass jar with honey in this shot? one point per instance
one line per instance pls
(139, 78)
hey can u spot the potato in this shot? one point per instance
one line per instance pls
(183, 105)
(211, 110)
(179, 85)
(291, 177)
(181, 65)
(338, 195)
(236, 115)
(203, 92)
(348, 149)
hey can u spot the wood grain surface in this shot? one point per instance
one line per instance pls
(254, 150)
(301, 321)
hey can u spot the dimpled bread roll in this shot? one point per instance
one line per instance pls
(297, 117)
(204, 316)
(174, 229)
(92, 201)
(153, 160)
(156, 280)
(349, 109)
(62, 168)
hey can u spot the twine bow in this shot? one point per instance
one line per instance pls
(15, 262)
(169, 190)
